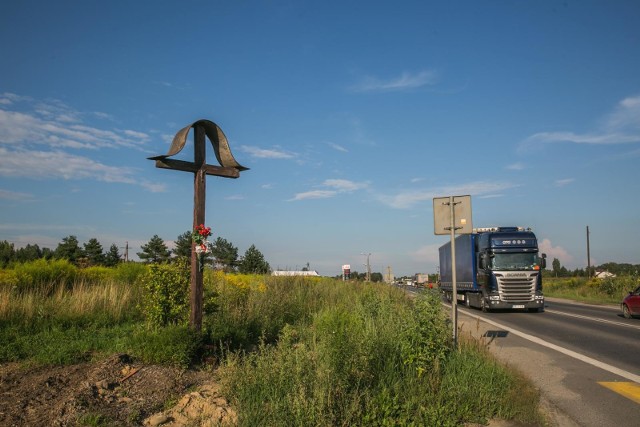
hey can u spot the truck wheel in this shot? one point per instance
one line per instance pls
(625, 311)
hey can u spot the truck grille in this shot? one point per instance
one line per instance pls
(516, 288)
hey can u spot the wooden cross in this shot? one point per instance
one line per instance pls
(229, 168)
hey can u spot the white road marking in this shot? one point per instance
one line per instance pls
(598, 364)
(595, 319)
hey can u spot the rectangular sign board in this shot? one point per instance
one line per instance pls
(461, 213)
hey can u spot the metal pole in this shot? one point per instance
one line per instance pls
(454, 300)
(588, 256)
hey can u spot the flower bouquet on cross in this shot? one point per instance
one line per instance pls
(202, 245)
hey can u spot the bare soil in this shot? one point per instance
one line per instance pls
(113, 392)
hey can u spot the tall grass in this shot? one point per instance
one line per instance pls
(293, 351)
(366, 355)
(610, 290)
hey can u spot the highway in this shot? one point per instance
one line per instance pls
(584, 358)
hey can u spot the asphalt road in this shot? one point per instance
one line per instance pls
(585, 359)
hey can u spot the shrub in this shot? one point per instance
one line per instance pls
(128, 272)
(43, 273)
(165, 293)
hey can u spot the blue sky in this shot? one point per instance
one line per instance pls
(351, 116)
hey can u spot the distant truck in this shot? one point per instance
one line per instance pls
(496, 268)
(421, 279)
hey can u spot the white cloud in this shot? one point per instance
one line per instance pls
(266, 153)
(12, 195)
(316, 194)
(563, 182)
(546, 247)
(344, 185)
(48, 125)
(516, 166)
(621, 126)
(337, 147)
(402, 82)
(235, 197)
(408, 199)
(336, 186)
(57, 164)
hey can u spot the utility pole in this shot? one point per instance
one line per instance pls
(368, 266)
(588, 256)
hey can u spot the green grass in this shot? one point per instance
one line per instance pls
(595, 291)
(292, 351)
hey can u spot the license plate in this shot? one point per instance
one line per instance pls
(517, 306)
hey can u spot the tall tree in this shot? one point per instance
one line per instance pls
(112, 257)
(253, 262)
(183, 245)
(155, 251)
(225, 254)
(7, 253)
(93, 252)
(69, 249)
(28, 253)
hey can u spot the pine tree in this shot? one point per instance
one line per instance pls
(225, 254)
(69, 249)
(155, 251)
(93, 252)
(112, 257)
(7, 253)
(183, 245)
(253, 262)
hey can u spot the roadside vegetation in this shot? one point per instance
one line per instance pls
(609, 290)
(287, 350)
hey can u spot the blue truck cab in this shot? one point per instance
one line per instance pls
(496, 268)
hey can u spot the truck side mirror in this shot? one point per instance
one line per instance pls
(543, 261)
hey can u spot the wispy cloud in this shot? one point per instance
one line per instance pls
(58, 164)
(516, 166)
(315, 194)
(403, 82)
(563, 182)
(235, 197)
(37, 139)
(408, 199)
(262, 153)
(337, 147)
(55, 125)
(621, 126)
(344, 185)
(12, 195)
(335, 187)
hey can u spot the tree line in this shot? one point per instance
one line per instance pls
(619, 269)
(223, 255)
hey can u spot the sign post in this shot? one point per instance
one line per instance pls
(229, 168)
(450, 214)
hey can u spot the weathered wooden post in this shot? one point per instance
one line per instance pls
(229, 168)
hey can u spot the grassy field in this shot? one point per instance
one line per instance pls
(595, 291)
(288, 351)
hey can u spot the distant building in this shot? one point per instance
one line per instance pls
(311, 273)
(603, 275)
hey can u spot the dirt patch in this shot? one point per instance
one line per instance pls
(116, 391)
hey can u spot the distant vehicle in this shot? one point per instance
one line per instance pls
(496, 268)
(631, 304)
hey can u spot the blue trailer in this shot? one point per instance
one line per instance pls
(496, 268)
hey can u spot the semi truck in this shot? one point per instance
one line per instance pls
(496, 268)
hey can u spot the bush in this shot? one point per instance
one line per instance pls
(165, 294)
(43, 273)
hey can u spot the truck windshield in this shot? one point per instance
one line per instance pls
(515, 261)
